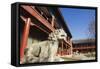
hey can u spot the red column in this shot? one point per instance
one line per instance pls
(61, 48)
(24, 38)
(67, 52)
(70, 51)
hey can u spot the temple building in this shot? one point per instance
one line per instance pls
(84, 45)
(37, 22)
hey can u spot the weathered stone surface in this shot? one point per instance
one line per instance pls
(45, 51)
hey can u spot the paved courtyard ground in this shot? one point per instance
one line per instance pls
(79, 57)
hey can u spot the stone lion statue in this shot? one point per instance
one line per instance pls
(45, 51)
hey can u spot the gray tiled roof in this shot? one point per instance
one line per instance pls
(84, 41)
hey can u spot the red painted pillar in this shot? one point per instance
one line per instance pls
(24, 38)
(66, 51)
(61, 48)
(70, 51)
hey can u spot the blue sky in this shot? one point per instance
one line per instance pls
(78, 21)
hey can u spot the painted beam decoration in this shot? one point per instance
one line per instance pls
(49, 34)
